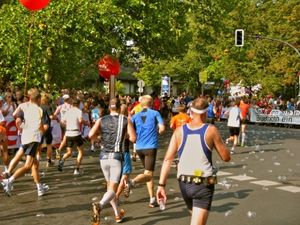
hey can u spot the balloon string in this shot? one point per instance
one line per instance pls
(32, 21)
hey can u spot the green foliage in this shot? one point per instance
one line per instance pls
(120, 89)
(192, 41)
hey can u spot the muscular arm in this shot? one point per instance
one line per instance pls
(131, 131)
(170, 155)
(95, 129)
(218, 144)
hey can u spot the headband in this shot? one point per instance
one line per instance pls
(198, 111)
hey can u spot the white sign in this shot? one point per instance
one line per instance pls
(141, 84)
(140, 90)
(259, 115)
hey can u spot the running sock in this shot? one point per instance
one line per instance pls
(39, 186)
(11, 179)
(243, 137)
(131, 183)
(107, 197)
(152, 200)
(5, 169)
(114, 204)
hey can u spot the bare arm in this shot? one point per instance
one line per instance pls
(165, 169)
(17, 111)
(131, 131)
(161, 128)
(95, 129)
(219, 145)
(170, 155)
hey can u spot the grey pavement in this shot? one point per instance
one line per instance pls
(260, 186)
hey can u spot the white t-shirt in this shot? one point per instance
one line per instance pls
(234, 117)
(72, 118)
(62, 109)
(32, 121)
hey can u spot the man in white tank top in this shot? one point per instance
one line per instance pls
(194, 143)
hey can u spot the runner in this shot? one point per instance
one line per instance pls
(211, 111)
(127, 167)
(47, 136)
(72, 121)
(180, 119)
(31, 137)
(112, 128)
(146, 123)
(194, 143)
(234, 124)
(60, 115)
(244, 107)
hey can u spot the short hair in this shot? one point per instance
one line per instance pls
(199, 104)
(34, 94)
(114, 104)
(76, 102)
(146, 100)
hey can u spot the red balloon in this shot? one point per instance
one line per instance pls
(34, 5)
(108, 66)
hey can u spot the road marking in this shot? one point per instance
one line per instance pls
(92, 181)
(25, 193)
(222, 173)
(293, 189)
(241, 178)
(265, 183)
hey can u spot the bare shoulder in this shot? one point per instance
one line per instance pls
(212, 129)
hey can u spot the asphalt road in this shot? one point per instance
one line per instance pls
(260, 186)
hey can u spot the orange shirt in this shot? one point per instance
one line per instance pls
(244, 109)
(179, 120)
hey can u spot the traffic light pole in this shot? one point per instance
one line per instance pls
(284, 42)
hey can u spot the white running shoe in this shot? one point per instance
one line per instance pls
(7, 187)
(76, 172)
(43, 189)
(92, 148)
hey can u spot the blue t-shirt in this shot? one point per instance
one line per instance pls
(95, 114)
(145, 123)
(210, 111)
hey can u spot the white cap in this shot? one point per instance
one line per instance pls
(66, 96)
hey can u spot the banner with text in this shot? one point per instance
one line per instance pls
(258, 115)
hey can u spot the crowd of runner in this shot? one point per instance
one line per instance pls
(36, 121)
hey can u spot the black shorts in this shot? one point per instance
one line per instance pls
(197, 195)
(148, 158)
(71, 141)
(31, 148)
(234, 131)
(47, 138)
(244, 120)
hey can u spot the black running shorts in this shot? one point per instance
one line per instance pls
(234, 131)
(77, 140)
(148, 158)
(197, 195)
(31, 148)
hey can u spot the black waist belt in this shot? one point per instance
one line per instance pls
(198, 180)
(73, 130)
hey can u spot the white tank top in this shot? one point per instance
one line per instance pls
(195, 157)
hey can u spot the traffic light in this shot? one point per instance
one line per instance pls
(239, 37)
